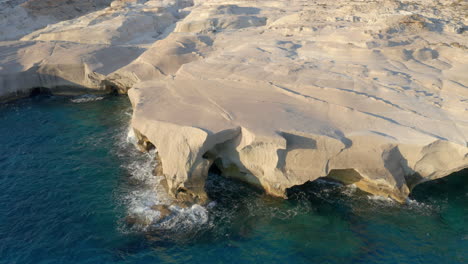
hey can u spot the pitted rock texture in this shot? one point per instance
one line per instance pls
(275, 93)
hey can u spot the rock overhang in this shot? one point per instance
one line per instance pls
(280, 94)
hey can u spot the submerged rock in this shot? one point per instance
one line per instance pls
(274, 93)
(163, 210)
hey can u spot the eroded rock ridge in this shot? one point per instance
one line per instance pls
(274, 93)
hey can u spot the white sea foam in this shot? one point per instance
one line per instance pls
(419, 206)
(381, 200)
(349, 190)
(412, 205)
(86, 98)
(184, 219)
(131, 137)
(148, 192)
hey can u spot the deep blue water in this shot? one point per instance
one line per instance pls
(69, 180)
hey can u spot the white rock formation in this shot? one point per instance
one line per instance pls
(277, 93)
(40, 48)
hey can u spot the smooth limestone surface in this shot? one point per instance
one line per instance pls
(69, 180)
(373, 92)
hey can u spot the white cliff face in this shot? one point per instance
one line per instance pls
(70, 46)
(281, 93)
(276, 93)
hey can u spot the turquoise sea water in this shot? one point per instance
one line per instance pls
(69, 181)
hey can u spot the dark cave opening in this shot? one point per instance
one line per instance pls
(36, 91)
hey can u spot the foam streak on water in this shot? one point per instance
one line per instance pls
(86, 98)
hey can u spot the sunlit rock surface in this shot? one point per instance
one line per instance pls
(71, 46)
(275, 93)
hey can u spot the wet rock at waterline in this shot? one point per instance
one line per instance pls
(274, 93)
(163, 209)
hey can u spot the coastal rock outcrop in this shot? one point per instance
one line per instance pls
(274, 93)
(71, 46)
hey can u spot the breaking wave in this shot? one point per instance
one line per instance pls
(149, 206)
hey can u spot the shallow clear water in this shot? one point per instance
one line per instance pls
(69, 180)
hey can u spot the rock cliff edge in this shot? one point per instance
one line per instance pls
(274, 93)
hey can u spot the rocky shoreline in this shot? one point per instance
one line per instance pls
(274, 93)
